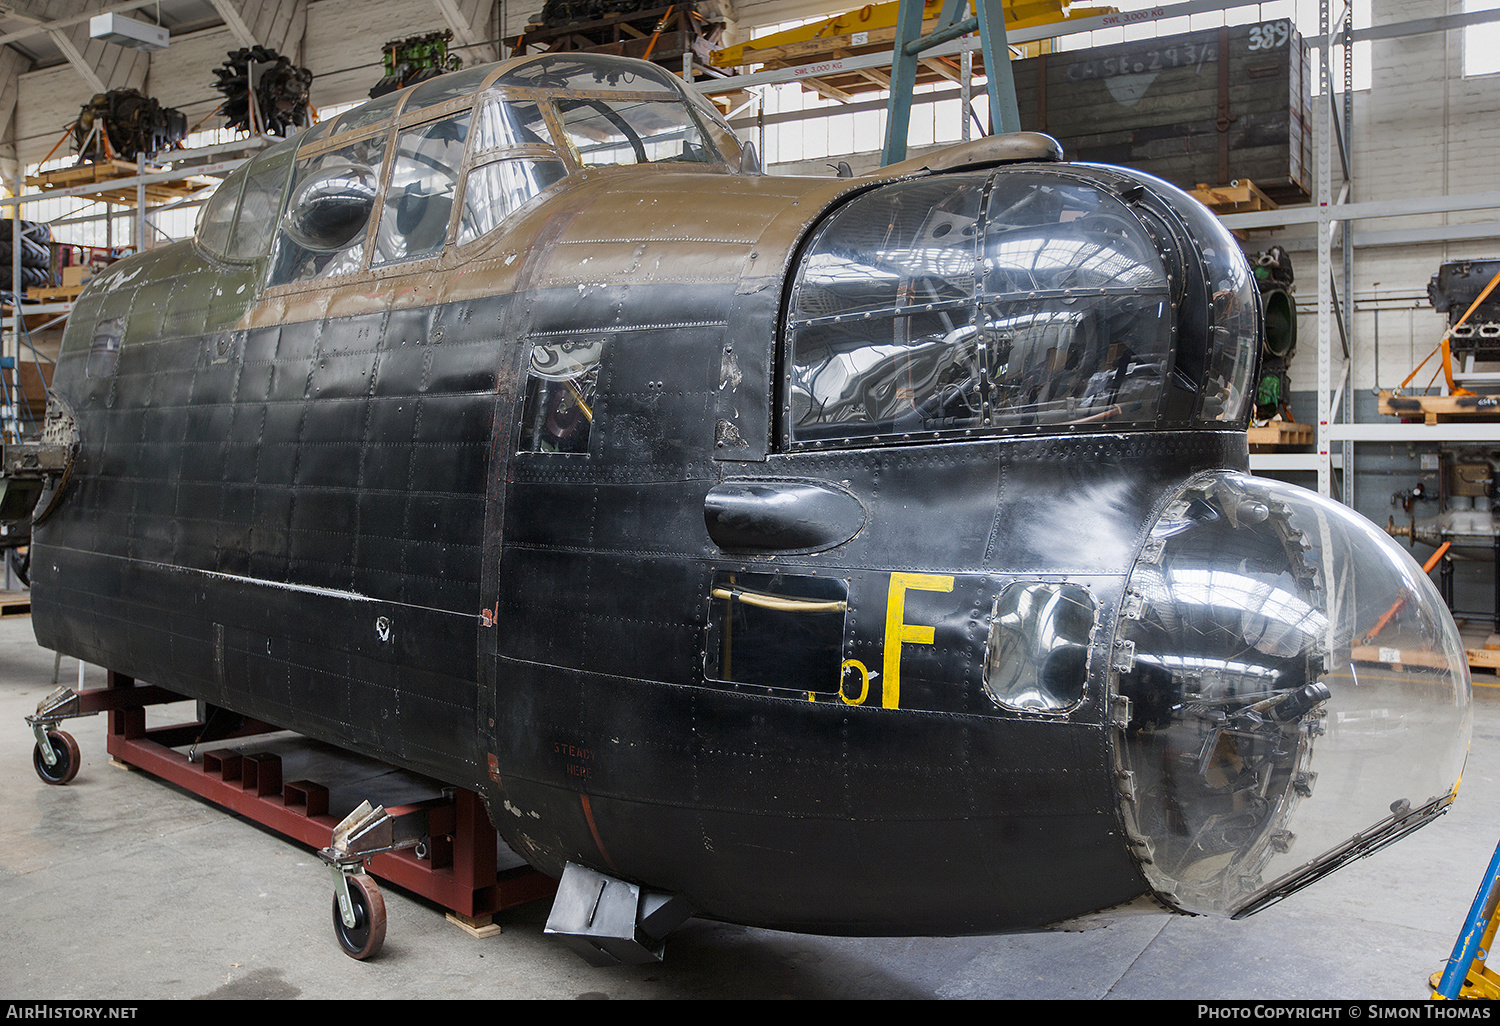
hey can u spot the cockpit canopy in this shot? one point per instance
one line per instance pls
(446, 162)
(1040, 297)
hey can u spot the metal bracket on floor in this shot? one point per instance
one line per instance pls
(609, 921)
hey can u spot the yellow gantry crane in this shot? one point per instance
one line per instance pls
(911, 27)
(877, 24)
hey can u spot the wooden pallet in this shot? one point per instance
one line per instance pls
(1279, 434)
(103, 171)
(14, 603)
(1440, 409)
(1238, 197)
(59, 294)
(1396, 658)
(1483, 655)
(1481, 650)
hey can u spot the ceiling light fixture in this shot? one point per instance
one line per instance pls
(123, 31)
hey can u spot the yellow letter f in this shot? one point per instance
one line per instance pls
(897, 631)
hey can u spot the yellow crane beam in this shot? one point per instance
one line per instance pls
(878, 21)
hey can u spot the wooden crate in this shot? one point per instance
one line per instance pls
(1202, 107)
(14, 603)
(1279, 434)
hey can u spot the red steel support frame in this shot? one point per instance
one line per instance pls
(459, 872)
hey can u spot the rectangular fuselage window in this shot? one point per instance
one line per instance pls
(419, 198)
(328, 213)
(777, 630)
(561, 389)
(605, 131)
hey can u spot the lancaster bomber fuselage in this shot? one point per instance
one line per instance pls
(868, 555)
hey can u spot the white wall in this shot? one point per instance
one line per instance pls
(48, 102)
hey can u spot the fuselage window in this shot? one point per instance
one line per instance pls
(604, 131)
(261, 203)
(445, 87)
(328, 213)
(104, 350)
(504, 123)
(372, 113)
(493, 192)
(217, 217)
(1036, 659)
(419, 198)
(916, 313)
(779, 631)
(562, 383)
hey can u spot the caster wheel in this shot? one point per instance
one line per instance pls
(65, 750)
(365, 938)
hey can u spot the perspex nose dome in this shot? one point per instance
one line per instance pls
(1290, 693)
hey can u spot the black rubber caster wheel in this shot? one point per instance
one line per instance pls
(65, 750)
(366, 937)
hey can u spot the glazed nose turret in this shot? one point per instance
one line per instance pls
(1289, 693)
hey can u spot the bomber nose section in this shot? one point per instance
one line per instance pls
(1290, 693)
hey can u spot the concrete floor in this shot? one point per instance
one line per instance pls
(119, 886)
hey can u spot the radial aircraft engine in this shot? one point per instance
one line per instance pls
(864, 556)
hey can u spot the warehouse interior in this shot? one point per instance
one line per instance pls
(127, 886)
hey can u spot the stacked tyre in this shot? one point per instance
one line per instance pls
(36, 254)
